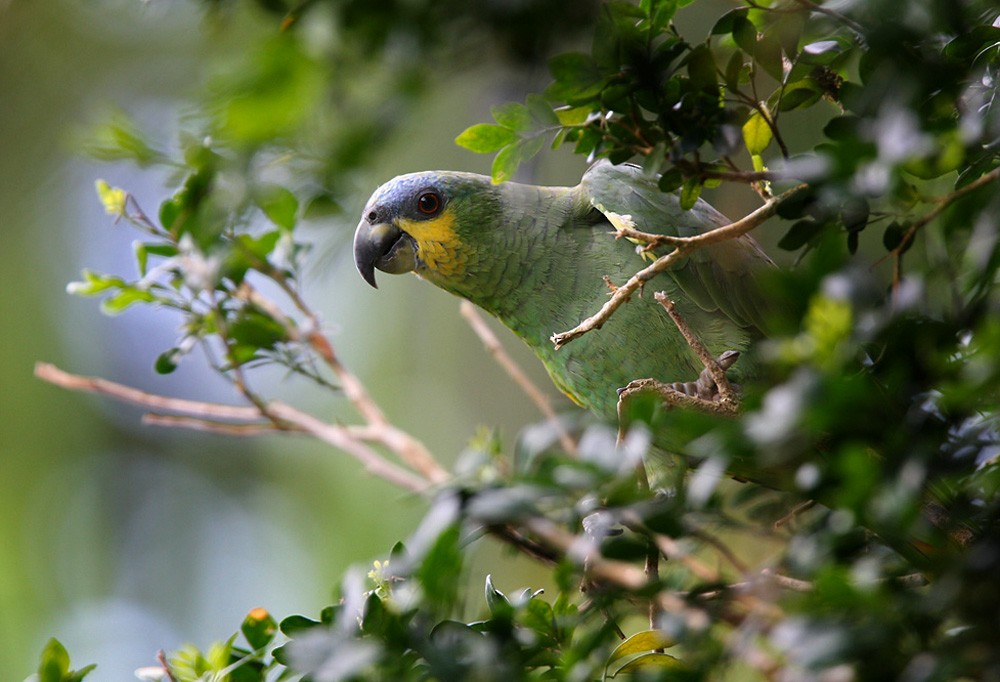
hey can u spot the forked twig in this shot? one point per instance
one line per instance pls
(682, 247)
(205, 416)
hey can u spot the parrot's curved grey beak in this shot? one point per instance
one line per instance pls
(383, 246)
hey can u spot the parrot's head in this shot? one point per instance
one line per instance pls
(434, 223)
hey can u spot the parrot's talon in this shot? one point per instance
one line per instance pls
(702, 394)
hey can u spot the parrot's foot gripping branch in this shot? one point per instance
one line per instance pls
(702, 394)
(711, 392)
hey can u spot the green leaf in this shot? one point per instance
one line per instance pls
(800, 234)
(485, 138)
(648, 662)
(294, 625)
(505, 164)
(701, 67)
(690, 191)
(799, 94)
(94, 283)
(112, 198)
(120, 139)
(671, 180)
(660, 12)
(438, 573)
(744, 33)
(512, 115)
(577, 77)
(573, 116)
(259, 628)
(78, 675)
(497, 601)
(541, 111)
(768, 54)
(726, 22)
(757, 133)
(126, 297)
(258, 330)
(279, 205)
(54, 663)
(734, 70)
(640, 642)
(170, 209)
(166, 362)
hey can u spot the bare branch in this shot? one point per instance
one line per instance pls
(406, 447)
(222, 428)
(74, 382)
(340, 438)
(800, 508)
(726, 393)
(682, 247)
(203, 416)
(940, 205)
(535, 394)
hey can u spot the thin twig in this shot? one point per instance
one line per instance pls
(211, 426)
(410, 450)
(795, 511)
(284, 417)
(514, 371)
(683, 246)
(793, 584)
(340, 438)
(722, 549)
(940, 205)
(161, 658)
(674, 398)
(726, 393)
(74, 382)
(672, 550)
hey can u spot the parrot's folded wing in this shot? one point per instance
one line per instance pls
(727, 276)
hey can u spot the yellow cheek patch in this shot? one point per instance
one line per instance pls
(438, 246)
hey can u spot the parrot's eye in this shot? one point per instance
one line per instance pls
(429, 203)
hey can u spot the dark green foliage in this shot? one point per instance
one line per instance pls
(879, 385)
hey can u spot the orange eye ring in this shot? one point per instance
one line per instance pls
(429, 203)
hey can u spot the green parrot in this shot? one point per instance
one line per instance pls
(536, 258)
(540, 258)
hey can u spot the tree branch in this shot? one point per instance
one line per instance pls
(53, 375)
(204, 416)
(535, 394)
(682, 247)
(340, 437)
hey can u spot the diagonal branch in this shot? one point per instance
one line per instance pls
(340, 438)
(535, 394)
(410, 450)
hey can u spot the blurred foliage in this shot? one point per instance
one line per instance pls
(880, 389)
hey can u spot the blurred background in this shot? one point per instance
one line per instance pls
(121, 539)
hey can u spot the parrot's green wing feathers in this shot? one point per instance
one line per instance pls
(725, 277)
